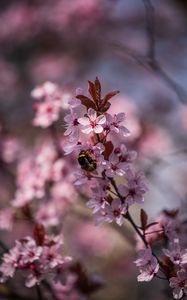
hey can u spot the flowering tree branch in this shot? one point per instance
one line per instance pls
(95, 149)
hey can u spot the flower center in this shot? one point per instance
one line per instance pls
(93, 123)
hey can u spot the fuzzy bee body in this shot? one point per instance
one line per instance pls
(86, 162)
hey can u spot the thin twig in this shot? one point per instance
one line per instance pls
(47, 285)
(150, 29)
(152, 61)
(39, 292)
(128, 217)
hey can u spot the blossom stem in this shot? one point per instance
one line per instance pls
(160, 277)
(131, 221)
(39, 292)
(50, 289)
(128, 217)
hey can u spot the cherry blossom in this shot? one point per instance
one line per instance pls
(72, 126)
(49, 105)
(37, 261)
(113, 124)
(148, 265)
(135, 190)
(118, 210)
(92, 123)
(114, 167)
(179, 284)
(174, 252)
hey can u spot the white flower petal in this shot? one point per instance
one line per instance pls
(98, 129)
(84, 121)
(92, 114)
(87, 129)
(101, 119)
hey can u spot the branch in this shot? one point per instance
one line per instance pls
(149, 60)
(150, 29)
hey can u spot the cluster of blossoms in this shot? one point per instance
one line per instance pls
(98, 140)
(43, 194)
(168, 235)
(43, 184)
(44, 190)
(39, 258)
(50, 103)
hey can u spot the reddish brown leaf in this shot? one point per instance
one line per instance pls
(39, 234)
(108, 149)
(171, 213)
(168, 266)
(105, 108)
(86, 101)
(97, 90)
(91, 90)
(109, 96)
(143, 219)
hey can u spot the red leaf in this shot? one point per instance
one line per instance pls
(109, 96)
(105, 108)
(143, 219)
(171, 213)
(91, 90)
(108, 149)
(97, 90)
(86, 101)
(39, 234)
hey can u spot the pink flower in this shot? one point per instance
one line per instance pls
(114, 167)
(74, 103)
(148, 265)
(98, 200)
(92, 123)
(67, 291)
(184, 257)
(175, 254)
(10, 263)
(103, 215)
(72, 130)
(49, 106)
(135, 190)
(7, 216)
(47, 215)
(109, 213)
(33, 279)
(11, 149)
(46, 113)
(124, 154)
(179, 284)
(118, 209)
(51, 258)
(29, 251)
(47, 89)
(38, 261)
(113, 124)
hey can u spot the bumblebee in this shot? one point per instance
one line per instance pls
(86, 162)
